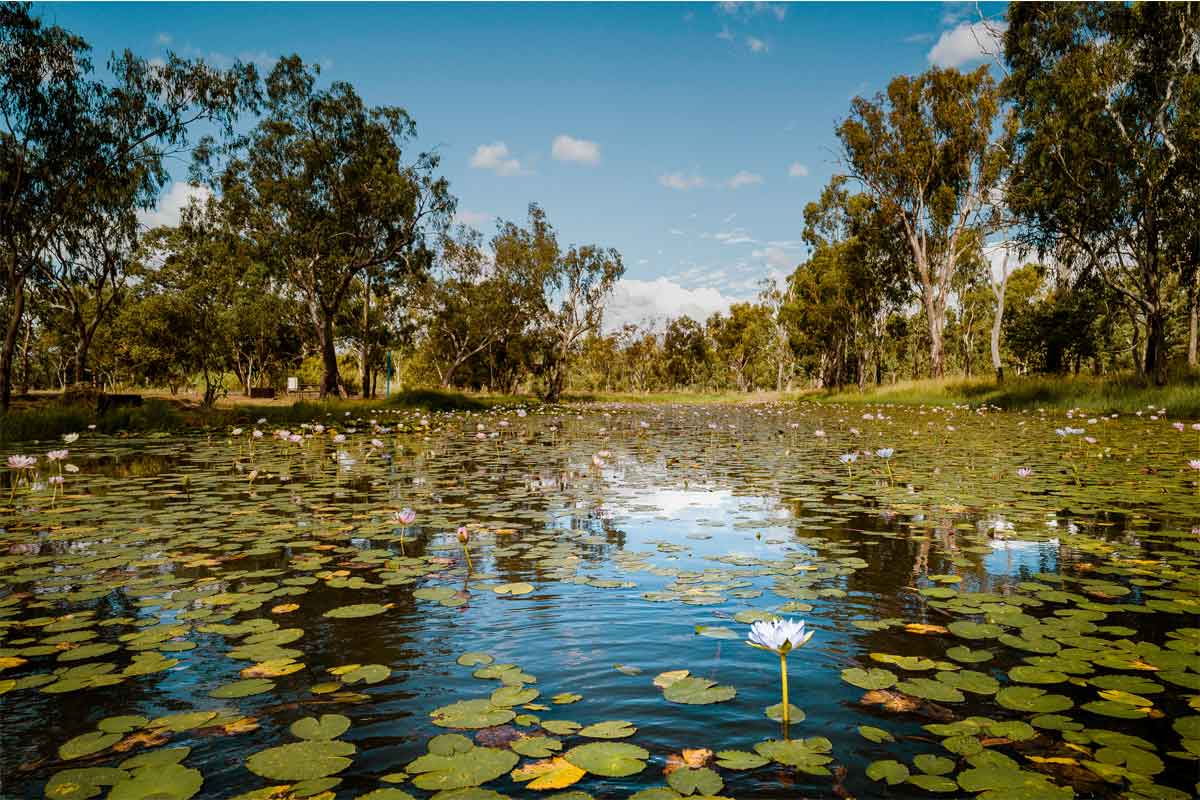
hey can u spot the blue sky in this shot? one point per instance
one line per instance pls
(688, 136)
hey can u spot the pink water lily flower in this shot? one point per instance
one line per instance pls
(22, 462)
(57, 455)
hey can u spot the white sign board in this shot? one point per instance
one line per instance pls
(293, 383)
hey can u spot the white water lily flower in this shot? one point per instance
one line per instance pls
(780, 635)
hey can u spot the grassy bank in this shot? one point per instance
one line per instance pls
(46, 418)
(1123, 394)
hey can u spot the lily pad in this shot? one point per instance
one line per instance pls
(702, 781)
(869, 679)
(608, 759)
(164, 782)
(87, 744)
(356, 611)
(471, 714)
(328, 726)
(472, 767)
(698, 691)
(611, 729)
(301, 761)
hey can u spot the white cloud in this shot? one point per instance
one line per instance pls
(681, 182)
(172, 203)
(659, 300)
(918, 38)
(163, 39)
(777, 10)
(675, 232)
(473, 218)
(581, 151)
(967, 43)
(776, 257)
(757, 45)
(735, 236)
(725, 34)
(744, 178)
(797, 170)
(495, 156)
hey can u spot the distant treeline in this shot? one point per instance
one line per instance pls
(1042, 222)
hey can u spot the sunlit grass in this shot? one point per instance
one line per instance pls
(1119, 394)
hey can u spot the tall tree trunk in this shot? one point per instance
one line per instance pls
(25, 357)
(10, 343)
(366, 339)
(1193, 320)
(81, 354)
(935, 311)
(1156, 345)
(331, 381)
(997, 321)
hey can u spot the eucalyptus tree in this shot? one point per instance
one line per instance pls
(86, 274)
(929, 154)
(839, 299)
(326, 189)
(474, 301)
(1108, 146)
(572, 286)
(78, 152)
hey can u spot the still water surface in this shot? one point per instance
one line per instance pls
(649, 537)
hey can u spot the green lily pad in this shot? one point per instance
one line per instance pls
(702, 781)
(469, 714)
(328, 726)
(775, 712)
(122, 724)
(933, 765)
(301, 761)
(608, 759)
(537, 746)
(611, 729)
(513, 588)
(87, 744)
(472, 767)
(965, 655)
(355, 611)
(974, 630)
(876, 735)
(807, 755)
(475, 659)
(739, 760)
(163, 782)
(933, 783)
(244, 688)
(694, 691)
(1028, 698)
(869, 679)
(81, 784)
(365, 673)
(887, 770)
(930, 689)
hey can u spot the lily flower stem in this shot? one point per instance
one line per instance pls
(467, 555)
(787, 709)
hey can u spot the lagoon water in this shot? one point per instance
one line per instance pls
(187, 601)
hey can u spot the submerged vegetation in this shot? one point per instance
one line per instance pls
(517, 600)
